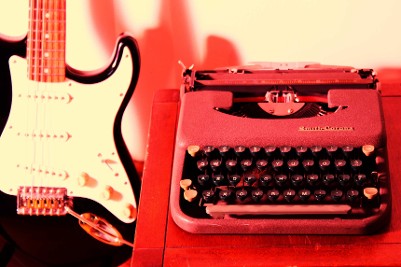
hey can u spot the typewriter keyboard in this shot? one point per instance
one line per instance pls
(279, 181)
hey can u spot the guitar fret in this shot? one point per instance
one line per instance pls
(58, 10)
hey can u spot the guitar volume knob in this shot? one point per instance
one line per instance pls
(83, 179)
(107, 192)
(129, 211)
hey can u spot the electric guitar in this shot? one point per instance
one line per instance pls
(61, 146)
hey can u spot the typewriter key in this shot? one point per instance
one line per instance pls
(285, 150)
(316, 150)
(223, 150)
(304, 194)
(265, 179)
(277, 164)
(347, 150)
(218, 179)
(336, 194)
(289, 194)
(246, 164)
(202, 164)
(340, 164)
(301, 150)
(273, 194)
(255, 150)
(215, 164)
(328, 178)
(270, 150)
(352, 195)
(261, 164)
(320, 194)
(257, 194)
(249, 179)
(356, 164)
(234, 179)
(208, 195)
(344, 179)
(297, 179)
(231, 164)
(331, 150)
(225, 194)
(293, 164)
(324, 164)
(240, 150)
(308, 164)
(312, 179)
(241, 194)
(203, 179)
(281, 179)
(360, 179)
(208, 150)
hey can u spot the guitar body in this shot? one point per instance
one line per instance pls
(64, 138)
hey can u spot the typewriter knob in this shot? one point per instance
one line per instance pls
(370, 192)
(368, 150)
(193, 150)
(190, 195)
(185, 183)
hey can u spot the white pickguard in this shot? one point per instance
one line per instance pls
(61, 135)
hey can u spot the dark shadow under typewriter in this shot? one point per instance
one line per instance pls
(281, 150)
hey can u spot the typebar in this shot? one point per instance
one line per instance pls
(220, 211)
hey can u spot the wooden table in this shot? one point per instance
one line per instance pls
(159, 241)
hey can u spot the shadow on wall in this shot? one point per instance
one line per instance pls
(160, 48)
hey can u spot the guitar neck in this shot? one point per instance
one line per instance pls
(46, 40)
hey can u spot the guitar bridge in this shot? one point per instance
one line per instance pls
(51, 201)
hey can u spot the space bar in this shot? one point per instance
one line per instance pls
(220, 211)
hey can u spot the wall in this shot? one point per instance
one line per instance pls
(212, 33)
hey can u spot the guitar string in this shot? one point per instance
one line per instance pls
(31, 97)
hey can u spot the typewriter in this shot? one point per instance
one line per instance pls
(280, 148)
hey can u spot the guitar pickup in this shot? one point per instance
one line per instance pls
(51, 201)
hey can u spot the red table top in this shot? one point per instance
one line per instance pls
(159, 241)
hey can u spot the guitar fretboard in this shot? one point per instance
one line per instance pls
(46, 40)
